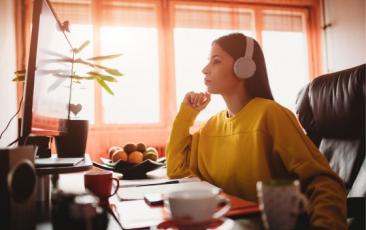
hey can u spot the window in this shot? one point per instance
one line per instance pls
(166, 43)
(136, 97)
(284, 42)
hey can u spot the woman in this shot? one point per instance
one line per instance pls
(254, 139)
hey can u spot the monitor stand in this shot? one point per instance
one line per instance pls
(43, 144)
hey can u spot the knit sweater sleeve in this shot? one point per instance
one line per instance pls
(181, 149)
(324, 189)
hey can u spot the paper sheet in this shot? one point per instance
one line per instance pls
(133, 193)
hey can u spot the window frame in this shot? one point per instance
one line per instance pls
(157, 134)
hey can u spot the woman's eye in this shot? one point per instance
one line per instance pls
(216, 61)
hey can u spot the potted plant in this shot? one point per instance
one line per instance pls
(99, 73)
(74, 142)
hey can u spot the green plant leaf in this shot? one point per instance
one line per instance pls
(91, 65)
(78, 77)
(81, 61)
(111, 71)
(105, 86)
(108, 78)
(102, 76)
(114, 72)
(85, 44)
(101, 66)
(93, 73)
(104, 57)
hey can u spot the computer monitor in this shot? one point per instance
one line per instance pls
(48, 83)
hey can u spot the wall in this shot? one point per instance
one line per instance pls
(345, 39)
(7, 67)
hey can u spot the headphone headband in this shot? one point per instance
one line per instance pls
(249, 49)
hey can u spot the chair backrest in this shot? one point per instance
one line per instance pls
(331, 109)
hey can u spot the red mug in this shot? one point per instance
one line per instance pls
(100, 183)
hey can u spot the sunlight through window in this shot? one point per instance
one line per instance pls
(136, 98)
(287, 64)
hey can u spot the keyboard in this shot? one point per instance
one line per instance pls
(54, 161)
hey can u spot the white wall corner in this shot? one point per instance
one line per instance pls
(7, 67)
(345, 39)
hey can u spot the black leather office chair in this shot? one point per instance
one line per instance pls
(331, 109)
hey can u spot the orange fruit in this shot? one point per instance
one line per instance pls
(119, 155)
(135, 157)
(112, 150)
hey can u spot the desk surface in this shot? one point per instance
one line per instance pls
(75, 183)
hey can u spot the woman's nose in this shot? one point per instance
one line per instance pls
(204, 70)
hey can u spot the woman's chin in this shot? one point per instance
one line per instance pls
(211, 91)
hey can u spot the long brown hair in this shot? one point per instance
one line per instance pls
(235, 44)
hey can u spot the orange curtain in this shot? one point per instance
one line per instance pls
(213, 15)
(23, 16)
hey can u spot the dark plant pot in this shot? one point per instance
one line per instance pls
(73, 143)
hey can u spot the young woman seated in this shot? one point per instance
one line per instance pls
(254, 139)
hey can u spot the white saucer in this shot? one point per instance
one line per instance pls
(221, 223)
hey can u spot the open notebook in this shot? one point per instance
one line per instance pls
(55, 161)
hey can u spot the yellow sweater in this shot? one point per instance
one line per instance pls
(262, 142)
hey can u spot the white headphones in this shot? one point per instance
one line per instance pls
(245, 67)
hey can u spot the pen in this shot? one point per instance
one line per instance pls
(167, 182)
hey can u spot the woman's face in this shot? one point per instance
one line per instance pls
(219, 73)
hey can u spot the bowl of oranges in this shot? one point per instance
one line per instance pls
(132, 160)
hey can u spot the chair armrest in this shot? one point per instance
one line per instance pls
(355, 206)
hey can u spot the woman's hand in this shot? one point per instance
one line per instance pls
(198, 101)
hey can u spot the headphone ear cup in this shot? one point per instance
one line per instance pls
(244, 68)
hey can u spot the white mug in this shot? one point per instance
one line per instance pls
(280, 202)
(196, 205)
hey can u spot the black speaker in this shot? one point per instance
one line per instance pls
(17, 188)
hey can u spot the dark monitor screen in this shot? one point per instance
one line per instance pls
(48, 83)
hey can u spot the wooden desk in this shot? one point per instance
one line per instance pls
(75, 183)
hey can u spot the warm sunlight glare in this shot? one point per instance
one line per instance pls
(136, 98)
(287, 64)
